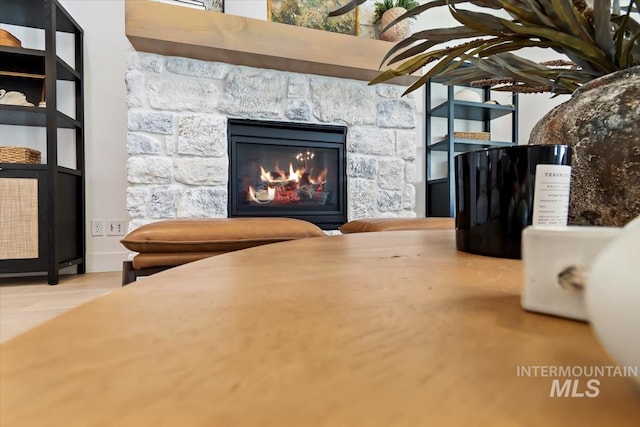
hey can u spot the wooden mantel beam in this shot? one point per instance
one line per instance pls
(212, 36)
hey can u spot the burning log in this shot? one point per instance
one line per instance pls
(280, 187)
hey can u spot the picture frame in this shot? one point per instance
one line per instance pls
(214, 5)
(210, 5)
(314, 14)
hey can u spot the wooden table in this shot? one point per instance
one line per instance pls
(370, 329)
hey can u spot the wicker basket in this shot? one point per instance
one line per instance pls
(19, 155)
(482, 136)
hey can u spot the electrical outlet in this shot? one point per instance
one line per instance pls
(115, 228)
(97, 228)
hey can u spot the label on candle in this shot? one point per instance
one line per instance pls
(551, 198)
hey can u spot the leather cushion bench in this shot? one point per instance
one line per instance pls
(165, 244)
(394, 224)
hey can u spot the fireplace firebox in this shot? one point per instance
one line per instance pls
(282, 169)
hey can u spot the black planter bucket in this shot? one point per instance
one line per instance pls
(495, 194)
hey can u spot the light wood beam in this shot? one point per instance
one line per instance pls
(212, 36)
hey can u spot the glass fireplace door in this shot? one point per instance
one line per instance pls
(280, 172)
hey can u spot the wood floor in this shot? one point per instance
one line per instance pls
(27, 302)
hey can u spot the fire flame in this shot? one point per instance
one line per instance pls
(283, 177)
(286, 187)
(321, 178)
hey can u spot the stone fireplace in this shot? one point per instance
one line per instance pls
(180, 110)
(288, 169)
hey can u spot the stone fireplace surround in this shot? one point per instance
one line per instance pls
(177, 134)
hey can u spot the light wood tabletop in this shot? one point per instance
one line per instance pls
(368, 329)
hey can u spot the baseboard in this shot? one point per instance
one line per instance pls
(100, 262)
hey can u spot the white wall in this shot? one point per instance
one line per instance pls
(105, 47)
(106, 114)
(250, 8)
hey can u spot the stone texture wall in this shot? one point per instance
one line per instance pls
(177, 134)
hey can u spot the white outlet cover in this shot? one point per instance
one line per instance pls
(97, 228)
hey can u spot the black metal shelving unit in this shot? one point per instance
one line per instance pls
(61, 190)
(440, 192)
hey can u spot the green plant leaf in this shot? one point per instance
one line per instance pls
(522, 11)
(576, 23)
(443, 35)
(569, 42)
(346, 8)
(489, 68)
(493, 4)
(452, 54)
(433, 38)
(407, 4)
(584, 64)
(425, 78)
(625, 38)
(440, 36)
(406, 68)
(542, 19)
(627, 22)
(381, 7)
(482, 22)
(446, 56)
(512, 66)
(403, 44)
(611, 43)
(415, 50)
(464, 76)
(514, 44)
(627, 54)
(410, 66)
(602, 27)
(548, 9)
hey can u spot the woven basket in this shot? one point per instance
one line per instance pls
(482, 136)
(19, 155)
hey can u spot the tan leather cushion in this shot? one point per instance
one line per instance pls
(395, 224)
(165, 259)
(216, 235)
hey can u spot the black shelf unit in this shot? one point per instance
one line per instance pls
(60, 189)
(440, 192)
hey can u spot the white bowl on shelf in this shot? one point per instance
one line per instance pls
(468, 95)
